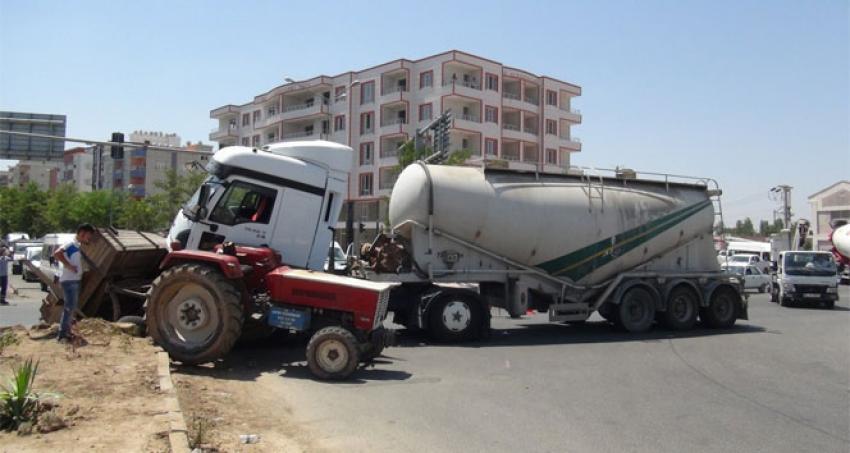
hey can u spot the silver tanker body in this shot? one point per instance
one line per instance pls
(585, 230)
(635, 250)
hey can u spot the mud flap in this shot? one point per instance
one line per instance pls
(742, 308)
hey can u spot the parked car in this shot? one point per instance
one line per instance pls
(746, 259)
(19, 253)
(340, 258)
(33, 255)
(48, 265)
(754, 278)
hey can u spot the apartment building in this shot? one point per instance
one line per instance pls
(77, 168)
(45, 174)
(507, 117)
(141, 168)
(829, 204)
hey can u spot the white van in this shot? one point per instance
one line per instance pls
(49, 265)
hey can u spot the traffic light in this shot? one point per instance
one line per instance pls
(117, 151)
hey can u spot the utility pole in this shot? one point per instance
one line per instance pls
(784, 191)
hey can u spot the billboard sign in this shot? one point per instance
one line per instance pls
(22, 147)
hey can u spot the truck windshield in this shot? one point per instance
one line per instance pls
(819, 264)
(213, 182)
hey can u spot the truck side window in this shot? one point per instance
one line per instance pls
(244, 203)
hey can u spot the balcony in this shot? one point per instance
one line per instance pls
(463, 87)
(224, 110)
(306, 109)
(304, 135)
(572, 143)
(466, 121)
(137, 173)
(218, 134)
(392, 125)
(572, 115)
(513, 100)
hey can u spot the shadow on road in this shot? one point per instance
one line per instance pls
(283, 355)
(560, 334)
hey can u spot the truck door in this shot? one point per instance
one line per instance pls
(242, 214)
(296, 226)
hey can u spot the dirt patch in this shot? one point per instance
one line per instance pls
(108, 393)
(219, 410)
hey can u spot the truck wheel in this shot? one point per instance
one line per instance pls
(453, 317)
(830, 305)
(720, 312)
(682, 309)
(763, 289)
(636, 310)
(332, 353)
(773, 294)
(194, 313)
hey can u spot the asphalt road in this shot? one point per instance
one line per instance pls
(23, 307)
(776, 383)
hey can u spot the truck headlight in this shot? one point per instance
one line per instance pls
(788, 287)
(832, 289)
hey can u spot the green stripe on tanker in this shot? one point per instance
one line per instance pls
(581, 262)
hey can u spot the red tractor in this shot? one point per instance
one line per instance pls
(199, 305)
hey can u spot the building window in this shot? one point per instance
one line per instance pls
(492, 82)
(551, 127)
(255, 140)
(339, 94)
(246, 119)
(387, 177)
(367, 122)
(365, 184)
(270, 137)
(491, 114)
(551, 97)
(426, 79)
(551, 156)
(339, 123)
(366, 153)
(272, 111)
(491, 147)
(257, 114)
(245, 141)
(425, 112)
(326, 127)
(367, 92)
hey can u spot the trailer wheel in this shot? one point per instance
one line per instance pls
(194, 313)
(636, 310)
(454, 317)
(332, 353)
(682, 309)
(720, 312)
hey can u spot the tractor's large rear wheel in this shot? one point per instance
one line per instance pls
(194, 313)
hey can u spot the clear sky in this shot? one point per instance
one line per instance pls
(752, 93)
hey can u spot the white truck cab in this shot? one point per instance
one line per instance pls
(286, 196)
(806, 277)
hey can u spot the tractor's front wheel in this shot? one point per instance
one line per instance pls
(332, 353)
(194, 313)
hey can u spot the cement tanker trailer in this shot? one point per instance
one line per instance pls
(638, 250)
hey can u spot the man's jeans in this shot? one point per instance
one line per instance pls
(4, 282)
(71, 295)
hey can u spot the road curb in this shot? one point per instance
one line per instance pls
(178, 434)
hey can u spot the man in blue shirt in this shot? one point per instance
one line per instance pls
(5, 257)
(69, 255)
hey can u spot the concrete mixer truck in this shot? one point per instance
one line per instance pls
(637, 250)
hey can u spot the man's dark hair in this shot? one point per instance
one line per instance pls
(86, 227)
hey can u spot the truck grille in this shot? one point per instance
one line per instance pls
(381, 309)
(810, 288)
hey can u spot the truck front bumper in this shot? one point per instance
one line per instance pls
(810, 297)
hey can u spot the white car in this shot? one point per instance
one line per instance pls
(754, 278)
(33, 255)
(745, 259)
(340, 258)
